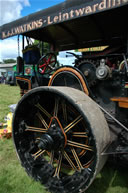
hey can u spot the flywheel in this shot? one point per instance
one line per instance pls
(70, 77)
(59, 134)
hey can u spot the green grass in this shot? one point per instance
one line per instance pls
(8, 95)
(13, 178)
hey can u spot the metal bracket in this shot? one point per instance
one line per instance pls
(115, 149)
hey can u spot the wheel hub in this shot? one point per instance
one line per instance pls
(54, 138)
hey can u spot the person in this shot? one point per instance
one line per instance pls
(2, 79)
(28, 71)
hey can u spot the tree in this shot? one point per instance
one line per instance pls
(9, 61)
(44, 47)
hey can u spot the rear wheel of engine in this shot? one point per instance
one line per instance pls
(59, 138)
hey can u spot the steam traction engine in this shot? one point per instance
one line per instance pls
(71, 119)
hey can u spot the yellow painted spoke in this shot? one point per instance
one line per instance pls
(69, 161)
(57, 172)
(77, 159)
(79, 145)
(35, 129)
(72, 124)
(37, 154)
(42, 120)
(52, 157)
(80, 134)
(43, 110)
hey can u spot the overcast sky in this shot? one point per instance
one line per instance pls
(11, 10)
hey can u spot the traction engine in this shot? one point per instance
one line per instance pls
(71, 119)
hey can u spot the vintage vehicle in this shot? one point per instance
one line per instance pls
(11, 78)
(71, 119)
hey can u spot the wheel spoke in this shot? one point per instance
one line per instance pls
(53, 61)
(79, 145)
(77, 159)
(42, 120)
(65, 81)
(80, 134)
(56, 107)
(50, 67)
(49, 59)
(72, 124)
(64, 111)
(38, 153)
(43, 110)
(51, 157)
(69, 161)
(45, 61)
(35, 129)
(57, 172)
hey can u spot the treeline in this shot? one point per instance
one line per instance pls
(8, 61)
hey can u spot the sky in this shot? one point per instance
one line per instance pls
(11, 10)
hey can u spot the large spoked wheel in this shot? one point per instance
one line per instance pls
(46, 63)
(59, 138)
(70, 77)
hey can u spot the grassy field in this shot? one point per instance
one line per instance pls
(13, 178)
(8, 95)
